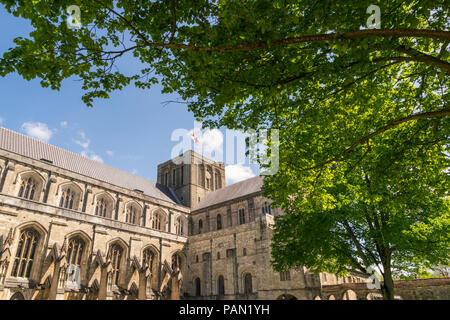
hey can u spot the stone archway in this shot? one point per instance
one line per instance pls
(286, 296)
(17, 296)
(349, 295)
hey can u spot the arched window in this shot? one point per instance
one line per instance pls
(75, 251)
(148, 258)
(219, 222)
(198, 287)
(158, 221)
(17, 296)
(200, 226)
(102, 207)
(26, 250)
(74, 255)
(67, 199)
(28, 188)
(241, 216)
(248, 283)
(176, 261)
(220, 286)
(116, 258)
(266, 208)
(132, 215)
(218, 180)
(179, 227)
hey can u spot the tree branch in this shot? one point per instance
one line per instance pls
(424, 115)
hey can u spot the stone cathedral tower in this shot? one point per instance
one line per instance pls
(192, 176)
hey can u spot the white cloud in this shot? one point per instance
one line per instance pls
(209, 141)
(37, 130)
(63, 124)
(91, 155)
(110, 153)
(212, 140)
(84, 142)
(237, 172)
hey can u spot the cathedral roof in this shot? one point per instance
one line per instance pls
(20, 144)
(237, 190)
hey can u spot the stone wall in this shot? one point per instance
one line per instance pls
(56, 226)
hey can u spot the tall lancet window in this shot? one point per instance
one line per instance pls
(116, 257)
(28, 188)
(67, 199)
(75, 251)
(101, 207)
(26, 250)
(131, 215)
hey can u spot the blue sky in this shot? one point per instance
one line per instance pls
(131, 130)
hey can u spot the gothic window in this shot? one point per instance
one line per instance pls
(248, 284)
(218, 255)
(131, 216)
(28, 188)
(179, 227)
(74, 256)
(219, 222)
(198, 290)
(196, 259)
(75, 251)
(158, 221)
(244, 252)
(200, 226)
(218, 180)
(148, 259)
(102, 207)
(67, 200)
(207, 183)
(221, 286)
(176, 261)
(241, 216)
(266, 208)
(26, 250)
(166, 178)
(173, 177)
(116, 257)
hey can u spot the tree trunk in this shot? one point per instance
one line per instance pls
(387, 288)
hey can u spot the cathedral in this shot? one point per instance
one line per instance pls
(72, 228)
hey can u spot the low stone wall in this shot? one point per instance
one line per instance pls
(419, 289)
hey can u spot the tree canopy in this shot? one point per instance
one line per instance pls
(362, 113)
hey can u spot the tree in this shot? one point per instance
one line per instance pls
(387, 209)
(348, 101)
